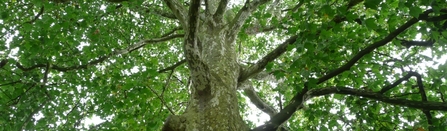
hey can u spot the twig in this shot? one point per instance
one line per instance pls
(162, 101)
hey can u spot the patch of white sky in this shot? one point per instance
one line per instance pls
(254, 114)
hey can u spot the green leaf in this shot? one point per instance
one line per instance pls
(4, 15)
(269, 66)
(372, 4)
(415, 11)
(371, 23)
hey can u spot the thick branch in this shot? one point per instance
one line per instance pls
(260, 65)
(372, 47)
(178, 10)
(103, 58)
(257, 101)
(193, 21)
(298, 99)
(409, 44)
(199, 70)
(424, 98)
(284, 114)
(278, 51)
(422, 105)
(220, 10)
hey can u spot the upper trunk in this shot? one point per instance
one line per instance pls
(214, 74)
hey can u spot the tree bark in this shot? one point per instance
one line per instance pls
(213, 103)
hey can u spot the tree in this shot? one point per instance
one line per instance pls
(190, 65)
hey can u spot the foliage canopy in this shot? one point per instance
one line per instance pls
(357, 64)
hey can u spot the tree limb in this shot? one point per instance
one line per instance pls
(422, 105)
(300, 97)
(405, 78)
(257, 101)
(37, 16)
(411, 43)
(162, 100)
(284, 114)
(173, 66)
(159, 12)
(178, 10)
(199, 70)
(424, 98)
(220, 10)
(260, 65)
(243, 14)
(253, 30)
(372, 47)
(129, 49)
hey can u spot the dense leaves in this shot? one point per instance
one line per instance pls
(339, 65)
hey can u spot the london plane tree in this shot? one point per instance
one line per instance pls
(178, 65)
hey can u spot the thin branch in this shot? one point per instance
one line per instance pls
(399, 81)
(129, 49)
(45, 76)
(11, 83)
(173, 66)
(159, 12)
(295, 8)
(74, 107)
(162, 101)
(30, 116)
(4, 92)
(98, 126)
(372, 47)
(442, 96)
(352, 3)
(37, 16)
(17, 99)
(167, 82)
(243, 14)
(3, 63)
(256, 29)
(280, 101)
(171, 32)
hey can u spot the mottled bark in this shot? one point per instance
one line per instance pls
(213, 104)
(209, 48)
(212, 60)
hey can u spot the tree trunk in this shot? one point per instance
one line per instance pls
(214, 73)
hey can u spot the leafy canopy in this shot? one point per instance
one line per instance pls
(376, 65)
